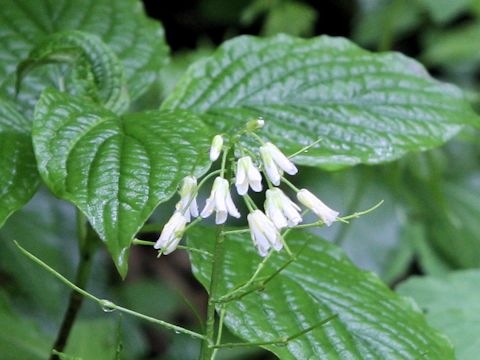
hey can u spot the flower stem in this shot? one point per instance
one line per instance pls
(206, 352)
(107, 305)
(75, 301)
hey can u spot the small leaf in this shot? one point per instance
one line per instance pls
(18, 171)
(451, 305)
(372, 323)
(116, 170)
(366, 108)
(139, 42)
(99, 70)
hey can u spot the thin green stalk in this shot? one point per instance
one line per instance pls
(220, 331)
(106, 305)
(293, 187)
(280, 341)
(81, 279)
(182, 247)
(305, 149)
(207, 349)
(354, 202)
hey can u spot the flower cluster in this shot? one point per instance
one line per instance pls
(265, 227)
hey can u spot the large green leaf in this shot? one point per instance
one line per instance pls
(115, 169)
(372, 322)
(452, 305)
(138, 41)
(366, 108)
(18, 174)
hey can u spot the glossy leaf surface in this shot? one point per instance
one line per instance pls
(138, 41)
(372, 323)
(115, 169)
(366, 107)
(18, 174)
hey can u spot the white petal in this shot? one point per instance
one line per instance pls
(242, 188)
(221, 194)
(169, 237)
(281, 160)
(208, 209)
(194, 208)
(232, 209)
(220, 217)
(240, 175)
(327, 215)
(269, 165)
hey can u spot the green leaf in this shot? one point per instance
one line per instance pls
(453, 225)
(116, 170)
(20, 338)
(137, 40)
(46, 226)
(366, 108)
(93, 339)
(18, 171)
(452, 48)
(443, 11)
(451, 305)
(97, 67)
(372, 323)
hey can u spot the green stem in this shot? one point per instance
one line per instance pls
(354, 202)
(106, 305)
(386, 38)
(81, 279)
(281, 341)
(293, 187)
(182, 247)
(207, 345)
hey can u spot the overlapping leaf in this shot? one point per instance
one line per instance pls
(366, 108)
(115, 169)
(18, 174)
(439, 297)
(138, 41)
(372, 322)
(97, 71)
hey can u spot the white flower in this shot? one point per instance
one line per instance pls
(247, 174)
(216, 148)
(188, 201)
(325, 214)
(172, 233)
(221, 201)
(275, 162)
(281, 210)
(264, 233)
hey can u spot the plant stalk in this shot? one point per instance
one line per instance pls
(207, 349)
(75, 300)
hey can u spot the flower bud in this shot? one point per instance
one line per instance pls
(216, 148)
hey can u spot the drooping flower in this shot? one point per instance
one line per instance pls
(263, 232)
(275, 162)
(188, 198)
(247, 174)
(220, 201)
(327, 215)
(216, 148)
(172, 233)
(281, 210)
